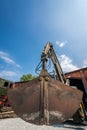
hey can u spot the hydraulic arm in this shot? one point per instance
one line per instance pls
(47, 53)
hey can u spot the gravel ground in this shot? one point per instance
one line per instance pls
(19, 124)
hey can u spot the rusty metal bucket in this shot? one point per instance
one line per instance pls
(44, 100)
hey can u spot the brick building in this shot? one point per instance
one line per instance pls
(78, 74)
(5, 83)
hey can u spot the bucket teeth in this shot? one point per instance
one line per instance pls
(44, 100)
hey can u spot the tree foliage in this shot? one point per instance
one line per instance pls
(27, 77)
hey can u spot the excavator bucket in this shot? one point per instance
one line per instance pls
(44, 100)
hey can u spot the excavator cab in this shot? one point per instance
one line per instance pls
(45, 100)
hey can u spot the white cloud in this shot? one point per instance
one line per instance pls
(6, 73)
(66, 63)
(10, 75)
(4, 56)
(85, 63)
(61, 44)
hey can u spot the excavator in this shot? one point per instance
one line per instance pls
(49, 98)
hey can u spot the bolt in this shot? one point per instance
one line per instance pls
(46, 78)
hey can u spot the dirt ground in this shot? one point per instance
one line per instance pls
(19, 124)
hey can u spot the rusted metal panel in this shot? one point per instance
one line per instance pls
(44, 100)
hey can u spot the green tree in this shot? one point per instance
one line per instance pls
(27, 77)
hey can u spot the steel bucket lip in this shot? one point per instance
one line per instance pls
(20, 94)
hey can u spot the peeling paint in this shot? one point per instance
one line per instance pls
(35, 115)
(31, 116)
(57, 114)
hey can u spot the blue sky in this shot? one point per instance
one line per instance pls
(27, 25)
